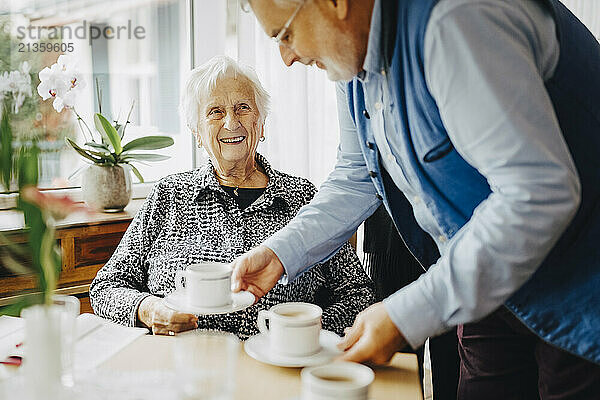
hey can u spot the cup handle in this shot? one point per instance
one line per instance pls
(263, 316)
(179, 274)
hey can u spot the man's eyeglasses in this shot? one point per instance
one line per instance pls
(280, 37)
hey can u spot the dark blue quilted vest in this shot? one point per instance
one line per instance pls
(561, 302)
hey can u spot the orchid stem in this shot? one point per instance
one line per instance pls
(80, 121)
(129, 114)
(99, 94)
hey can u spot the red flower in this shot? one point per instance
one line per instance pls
(58, 206)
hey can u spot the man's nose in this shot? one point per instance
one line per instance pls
(232, 122)
(287, 55)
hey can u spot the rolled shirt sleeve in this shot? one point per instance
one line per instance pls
(343, 202)
(485, 66)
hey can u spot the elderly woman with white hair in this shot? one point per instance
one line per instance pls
(218, 212)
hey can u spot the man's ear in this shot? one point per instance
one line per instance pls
(340, 7)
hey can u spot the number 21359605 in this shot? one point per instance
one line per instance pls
(45, 47)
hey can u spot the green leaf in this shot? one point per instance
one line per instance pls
(149, 143)
(145, 157)
(14, 265)
(98, 146)
(14, 256)
(103, 155)
(24, 302)
(16, 248)
(82, 152)
(107, 130)
(137, 173)
(48, 263)
(6, 151)
(27, 166)
(36, 227)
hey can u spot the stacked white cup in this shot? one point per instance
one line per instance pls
(338, 380)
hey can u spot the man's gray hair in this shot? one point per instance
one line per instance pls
(203, 79)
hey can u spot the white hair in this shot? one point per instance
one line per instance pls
(203, 79)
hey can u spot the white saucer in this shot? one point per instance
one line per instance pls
(239, 301)
(258, 348)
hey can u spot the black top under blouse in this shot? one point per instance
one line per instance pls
(245, 196)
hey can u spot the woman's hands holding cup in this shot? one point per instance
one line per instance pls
(257, 271)
(162, 320)
(373, 338)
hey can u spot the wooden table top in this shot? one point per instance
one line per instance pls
(399, 380)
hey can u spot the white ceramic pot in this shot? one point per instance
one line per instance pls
(107, 188)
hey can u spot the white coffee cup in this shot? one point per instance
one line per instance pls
(205, 284)
(338, 380)
(294, 328)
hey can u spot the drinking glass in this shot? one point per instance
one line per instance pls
(205, 363)
(70, 310)
(48, 346)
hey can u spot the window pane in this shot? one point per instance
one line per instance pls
(134, 52)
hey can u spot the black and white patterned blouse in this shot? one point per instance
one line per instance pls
(189, 218)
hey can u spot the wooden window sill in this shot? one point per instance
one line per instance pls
(11, 221)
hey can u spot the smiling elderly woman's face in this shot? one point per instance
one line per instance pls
(229, 122)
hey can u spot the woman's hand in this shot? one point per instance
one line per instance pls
(162, 320)
(257, 271)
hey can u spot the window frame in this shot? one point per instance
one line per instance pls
(8, 200)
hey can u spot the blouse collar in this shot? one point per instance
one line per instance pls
(276, 188)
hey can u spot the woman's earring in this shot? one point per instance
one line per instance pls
(262, 139)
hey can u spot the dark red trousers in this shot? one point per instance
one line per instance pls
(502, 359)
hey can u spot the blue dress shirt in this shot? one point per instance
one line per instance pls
(516, 144)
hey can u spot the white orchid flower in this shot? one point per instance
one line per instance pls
(25, 67)
(53, 84)
(4, 84)
(58, 104)
(69, 99)
(17, 84)
(19, 99)
(65, 61)
(75, 80)
(62, 82)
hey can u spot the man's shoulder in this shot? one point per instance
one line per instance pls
(446, 8)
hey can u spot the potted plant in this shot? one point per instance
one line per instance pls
(49, 320)
(106, 181)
